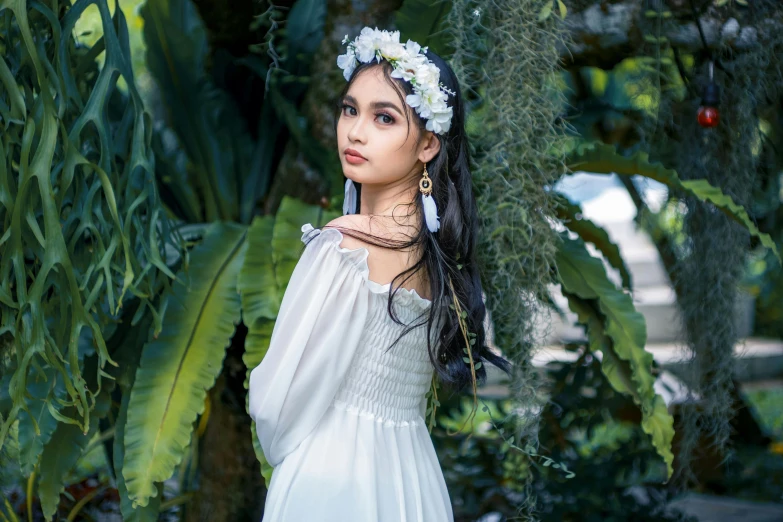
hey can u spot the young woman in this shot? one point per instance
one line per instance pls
(339, 398)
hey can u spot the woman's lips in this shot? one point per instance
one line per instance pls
(353, 159)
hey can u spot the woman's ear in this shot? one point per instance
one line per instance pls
(429, 147)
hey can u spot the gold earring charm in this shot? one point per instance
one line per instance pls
(425, 183)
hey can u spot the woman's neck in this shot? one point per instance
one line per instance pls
(388, 200)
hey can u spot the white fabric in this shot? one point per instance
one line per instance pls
(338, 417)
(349, 201)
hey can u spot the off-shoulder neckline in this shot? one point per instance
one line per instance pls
(360, 262)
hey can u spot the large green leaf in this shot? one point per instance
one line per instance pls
(616, 329)
(422, 21)
(37, 424)
(151, 511)
(617, 371)
(58, 457)
(129, 341)
(205, 119)
(570, 214)
(305, 31)
(600, 158)
(261, 299)
(260, 293)
(178, 367)
(61, 454)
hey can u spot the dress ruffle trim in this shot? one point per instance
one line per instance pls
(358, 258)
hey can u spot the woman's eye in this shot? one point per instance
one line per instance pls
(388, 121)
(384, 115)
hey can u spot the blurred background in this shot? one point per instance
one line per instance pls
(628, 163)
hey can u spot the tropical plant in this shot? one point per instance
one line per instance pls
(84, 238)
(239, 137)
(88, 250)
(588, 428)
(614, 328)
(654, 116)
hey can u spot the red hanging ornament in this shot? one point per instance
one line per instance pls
(708, 115)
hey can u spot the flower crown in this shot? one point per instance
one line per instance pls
(411, 64)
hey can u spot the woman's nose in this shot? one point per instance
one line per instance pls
(357, 131)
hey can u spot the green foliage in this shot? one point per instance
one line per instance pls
(179, 367)
(734, 158)
(571, 216)
(600, 158)
(619, 333)
(509, 86)
(31, 440)
(80, 223)
(206, 121)
(232, 271)
(150, 512)
(546, 10)
(475, 467)
(587, 426)
(423, 21)
(595, 430)
(222, 161)
(67, 445)
(305, 31)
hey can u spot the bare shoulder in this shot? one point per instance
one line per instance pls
(384, 263)
(350, 222)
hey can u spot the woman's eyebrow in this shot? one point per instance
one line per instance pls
(375, 104)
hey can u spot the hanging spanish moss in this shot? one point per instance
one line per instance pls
(501, 46)
(706, 271)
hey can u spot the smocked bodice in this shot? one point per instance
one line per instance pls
(382, 384)
(388, 385)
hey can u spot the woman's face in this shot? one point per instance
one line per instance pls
(373, 123)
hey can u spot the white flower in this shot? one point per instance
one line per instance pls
(405, 69)
(387, 37)
(428, 75)
(440, 121)
(414, 100)
(392, 50)
(347, 62)
(412, 47)
(365, 49)
(411, 64)
(368, 33)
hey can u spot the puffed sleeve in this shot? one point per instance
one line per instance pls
(314, 339)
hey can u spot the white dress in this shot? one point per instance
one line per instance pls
(340, 419)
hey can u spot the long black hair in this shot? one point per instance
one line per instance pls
(449, 255)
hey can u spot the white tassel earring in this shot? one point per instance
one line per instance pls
(349, 203)
(428, 202)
